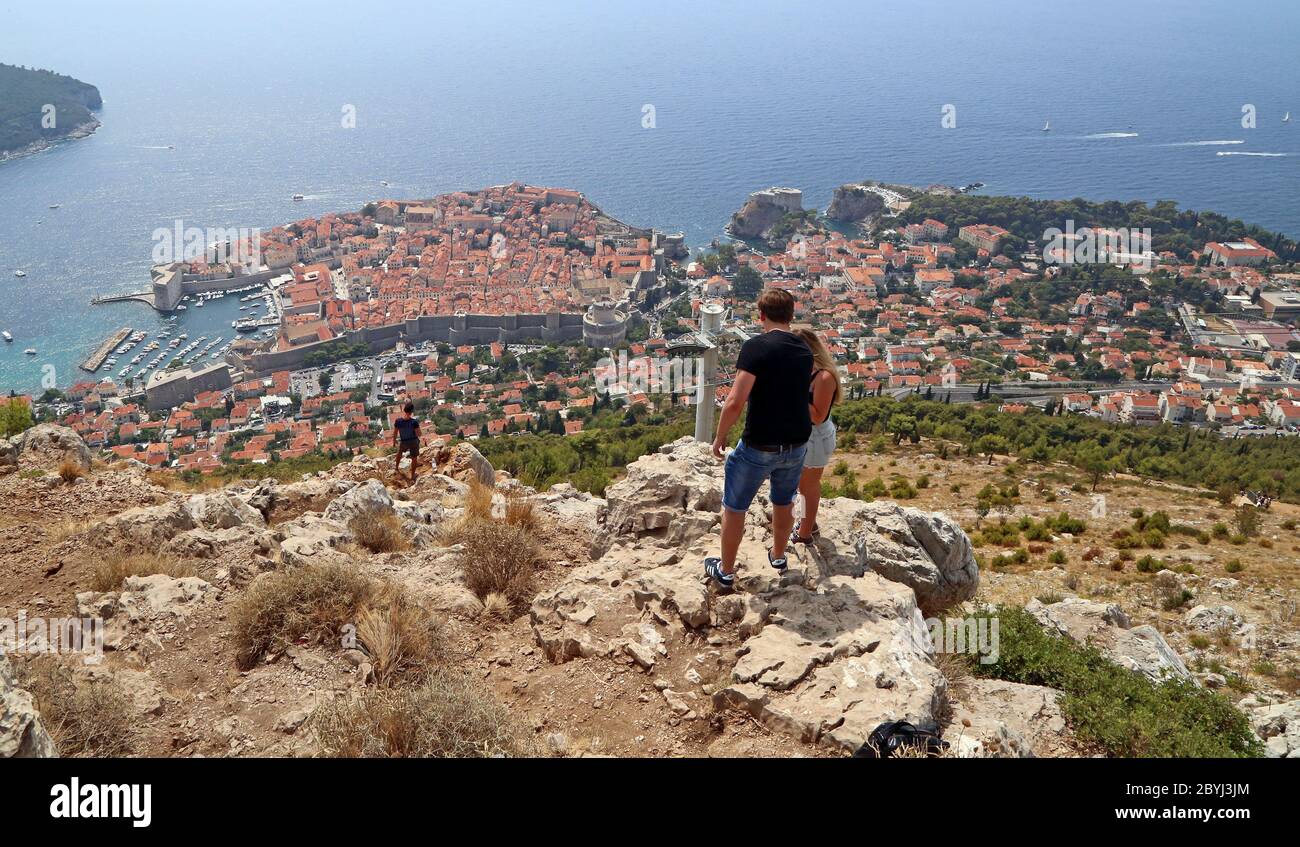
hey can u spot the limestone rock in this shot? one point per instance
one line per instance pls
(829, 666)
(569, 505)
(1106, 627)
(1007, 720)
(221, 510)
(368, 501)
(281, 503)
(1279, 726)
(46, 446)
(22, 735)
(313, 540)
(671, 498)
(1212, 618)
(463, 462)
(145, 528)
(927, 551)
(204, 543)
(157, 595)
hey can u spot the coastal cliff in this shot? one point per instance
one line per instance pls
(773, 216)
(853, 203)
(38, 108)
(764, 210)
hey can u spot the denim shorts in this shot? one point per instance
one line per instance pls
(747, 468)
(821, 444)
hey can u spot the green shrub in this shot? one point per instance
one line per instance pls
(1149, 564)
(1234, 566)
(1113, 710)
(1057, 557)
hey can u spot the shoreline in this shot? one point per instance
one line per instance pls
(80, 131)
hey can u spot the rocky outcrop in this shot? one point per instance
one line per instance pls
(853, 203)
(1213, 618)
(222, 510)
(763, 210)
(1106, 627)
(44, 447)
(669, 498)
(1008, 720)
(569, 505)
(926, 551)
(463, 462)
(368, 501)
(1278, 725)
(146, 528)
(832, 664)
(22, 736)
(825, 652)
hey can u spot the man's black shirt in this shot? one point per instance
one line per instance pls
(778, 404)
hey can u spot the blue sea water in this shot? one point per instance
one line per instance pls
(745, 95)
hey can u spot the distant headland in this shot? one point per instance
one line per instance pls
(39, 107)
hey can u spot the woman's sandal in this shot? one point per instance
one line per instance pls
(803, 539)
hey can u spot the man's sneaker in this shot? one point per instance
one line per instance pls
(713, 570)
(780, 564)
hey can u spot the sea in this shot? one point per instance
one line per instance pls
(664, 114)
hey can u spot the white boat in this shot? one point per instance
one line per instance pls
(20, 274)
(182, 307)
(1286, 119)
(6, 335)
(30, 351)
(1047, 127)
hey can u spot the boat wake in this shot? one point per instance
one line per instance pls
(1112, 135)
(1203, 143)
(1261, 155)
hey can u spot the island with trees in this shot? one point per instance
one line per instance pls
(40, 107)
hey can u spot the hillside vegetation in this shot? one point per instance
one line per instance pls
(1179, 230)
(23, 95)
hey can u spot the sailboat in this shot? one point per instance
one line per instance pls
(1047, 127)
(1286, 119)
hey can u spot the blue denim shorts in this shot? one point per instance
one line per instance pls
(747, 468)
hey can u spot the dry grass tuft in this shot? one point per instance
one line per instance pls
(117, 566)
(310, 601)
(380, 534)
(478, 502)
(402, 640)
(520, 513)
(496, 606)
(448, 716)
(61, 532)
(71, 470)
(498, 558)
(87, 717)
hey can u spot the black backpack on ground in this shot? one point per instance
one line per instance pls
(897, 738)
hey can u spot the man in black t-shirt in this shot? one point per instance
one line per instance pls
(406, 438)
(772, 376)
